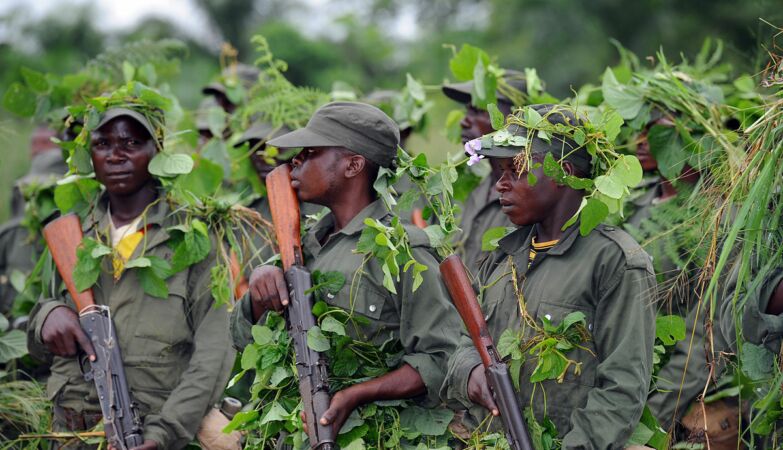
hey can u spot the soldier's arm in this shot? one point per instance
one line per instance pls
(623, 332)
(203, 381)
(429, 325)
(758, 322)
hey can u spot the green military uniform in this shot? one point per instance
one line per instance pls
(45, 168)
(607, 276)
(423, 321)
(757, 326)
(17, 253)
(676, 294)
(177, 351)
(480, 213)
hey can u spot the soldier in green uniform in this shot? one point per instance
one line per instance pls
(675, 390)
(175, 349)
(18, 249)
(605, 275)
(232, 84)
(344, 144)
(482, 209)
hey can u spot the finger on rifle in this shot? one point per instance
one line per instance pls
(304, 421)
(270, 294)
(84, 343)
(282, 289)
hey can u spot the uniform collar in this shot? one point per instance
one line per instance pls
(519, 240)
(153, 219)
(314, 237)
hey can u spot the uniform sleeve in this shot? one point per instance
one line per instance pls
(429, 325)
(455, 387)
(38, 316)
(242, 323)
(756, 325)
(203, 381)
(624, 333)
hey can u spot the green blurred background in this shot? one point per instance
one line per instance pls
(372, 43)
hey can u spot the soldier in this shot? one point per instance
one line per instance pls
(605, 275)
(482, 209)
(344, 144)
(174, 349)
(18, 249)
(234, 82)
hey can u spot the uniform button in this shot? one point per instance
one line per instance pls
(589, 327)
(548, 316)
(609, 228)
(330, 295)
(373, 308)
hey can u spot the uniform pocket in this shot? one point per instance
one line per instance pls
(556, 312)
(365, 299)
(165, 319)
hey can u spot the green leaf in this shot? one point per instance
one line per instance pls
(453, 128)
(166, 164)
(320, 308)
(220, 284)
(3, 324)
(436, 236)
(87, 269)
(138, 262)
(262, 335)
(19, 100)
(35, 80)
(490, 238)
(240, 419)
(550, 365)
(532, 117)
(216, 121)
(508, 344)
(670, 329)
(579, 136)
(415, 88)
(12, 345)
(745, 83)
(249, 357)
(427, 421)
(332, 325)
(641, 434)
(628, 170)
(594, 212)
(128, 71)
(463, 63)
(668, 150)
(609, 186)
(152, 284)
(756, 361)
(330, 282)
(571, 319)
(276, 413)
(622, 98)
(612, 123)
(316, 339)
(345, 364)
(495, 116)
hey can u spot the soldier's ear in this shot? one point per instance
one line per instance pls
(356, 165)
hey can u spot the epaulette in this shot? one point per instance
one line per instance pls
(416, 236)
(635, 256)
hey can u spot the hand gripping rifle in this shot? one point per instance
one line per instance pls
(120, 416)
(456, 280)
(311, 366)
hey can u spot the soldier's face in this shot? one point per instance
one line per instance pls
(475, 124)
(316, 173)
(522, 203)
(121, 151)
(643, 154)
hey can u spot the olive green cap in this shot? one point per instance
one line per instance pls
(515, 139)
(359, 127)
(113, 113)
(461, 92)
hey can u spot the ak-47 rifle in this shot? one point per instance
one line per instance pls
(455, 277)
(120, 416)
(311, 366)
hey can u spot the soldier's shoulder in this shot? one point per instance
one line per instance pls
(416, 236)
(617, 238)
(11, 227)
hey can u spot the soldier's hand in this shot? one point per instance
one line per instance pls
(342, 405)
(268, 290)
(62, 334)
(479, 392)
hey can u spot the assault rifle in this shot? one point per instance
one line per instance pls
(120, 416)
(458, 284)
(311, 366)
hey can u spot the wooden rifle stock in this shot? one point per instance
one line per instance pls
(284, 207)
(63, 236)
(455, 277)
